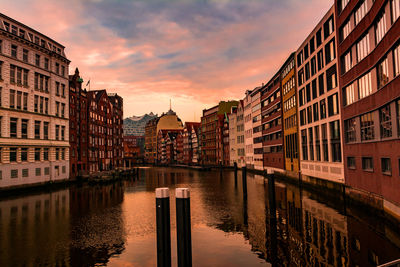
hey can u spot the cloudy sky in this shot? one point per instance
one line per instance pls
(195, 52)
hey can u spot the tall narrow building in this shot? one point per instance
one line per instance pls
(318, 104)
(290, 126)
(34, 127)
(369, 57)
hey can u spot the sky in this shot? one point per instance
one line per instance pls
(192, 52)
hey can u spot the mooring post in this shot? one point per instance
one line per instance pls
(183, 227)
(163, 228)
(244, 181)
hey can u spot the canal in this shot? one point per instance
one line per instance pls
(114, 225)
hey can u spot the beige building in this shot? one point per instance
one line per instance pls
(257, 128)
(34, 145)
(248, 130)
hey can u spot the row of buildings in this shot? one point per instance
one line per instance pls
(330, 113)
(50, 128)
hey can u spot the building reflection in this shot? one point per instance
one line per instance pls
(34, 230)
(97, 224)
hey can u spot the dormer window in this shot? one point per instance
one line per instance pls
(7, 26)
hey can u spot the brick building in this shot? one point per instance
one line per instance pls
(34, 128)
(133, 150)
(369, 60)
(151, 141)
(189, 131)
(78, 126)
(105, 144)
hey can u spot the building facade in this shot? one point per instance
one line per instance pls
(189, 132)
(117, 130)
(271, 105)
(248, 130)
(290, 127)
(369, 60)
(151, 140)
(34, 127)
(318, 103)
(257, 128)
(133, 150)
(78, 126)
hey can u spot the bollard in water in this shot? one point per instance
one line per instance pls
(244, 181)
(163, 228)
(183, 227)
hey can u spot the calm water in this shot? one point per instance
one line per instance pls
(114, 225)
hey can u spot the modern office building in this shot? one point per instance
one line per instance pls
(318, 103)
(290, 126)
(369, 60)
(34, 127)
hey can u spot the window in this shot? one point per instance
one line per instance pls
(361, 12)
(302, 117)
(306, 52)
(347, 63)
(350, 130)
(14, 51)
(313, 66)
(398, 116)
(25, 55)
(1, 70)
(13, 154)
(322, 109)
(367, 127)
(21, 33)
(351, 163)
(396, 58)
(63, 71)
(37, 154)
(395, 10)
(330, 53)
(307, 71)
(385, 119)
(63, 153)
(367, 164)
(383, 72)
(57, 132)
(14, 174)
(309, 114)
(38, 171)
(57, 153)
(348, 94)
(333, 105)
(304, 144)
(1, 46)
(335, 141)
(46, 63)
(302, 97)
(308, 93)
(321, 84)
(312, 45)
(346, 30)
(328, 27)
(57, 89)
(331, 78)
(37, 129)
(317, 143)
(324, 132)
(46, 130)
(311, 143)
(57, 68)
(24, 154)
(314, 89)
(13, 127)
(365, 85)
(300, 59)
(315, 112)
(380, 28)
(386, 166)
(318, 36)
(63, 90)
(45, 153)
(24, 128)
(320, 59)
(57, 109)
(63, 133)
(37, 60)
(46, 171)
(363, 48)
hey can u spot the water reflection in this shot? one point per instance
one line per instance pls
(275, 224)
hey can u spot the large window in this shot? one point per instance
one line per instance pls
(347, 62)
(333, 105)
(380, 28)
(395, 10)
(398, 116)
(330, 53)
(396, 58)
(321, 84)
(324, 132)
(335, 141)
(363, 48)
(311, 142)
(37, 129)
(317, 143)
(331, 78)
(351, 163)
(385, 120)
(322, 109)
(315, 112)
(348, 94)
(383, 73)
(13, 127)
(367, 164)
(346, 30)
(386, 166)
(24, 128)
(367, 127)
(361, 12)
(328, 27)
(365, 85)
(350, 130)
(304, 144)
(342, 4)
(24, 154)
(13, 154)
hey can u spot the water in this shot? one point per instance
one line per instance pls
(114, 225)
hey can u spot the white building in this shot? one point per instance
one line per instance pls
(257, 128)
(248, 130)
(34, 111)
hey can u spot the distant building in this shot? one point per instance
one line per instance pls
(213, 134)
(105, 145)
(167, 121)
(189, 132)
(248, 130)
(133, 150)
(136, 125)
(257, 128)
(34, 127)
(78, 126)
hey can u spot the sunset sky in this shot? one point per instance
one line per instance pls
(195, 52)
